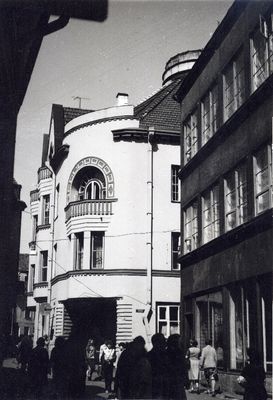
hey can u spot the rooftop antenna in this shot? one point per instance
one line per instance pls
(80, 99)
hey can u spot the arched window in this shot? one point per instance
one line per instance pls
(91, 189)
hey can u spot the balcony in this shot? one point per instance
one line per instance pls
(88, 207)
(44, 173)
(88, 215)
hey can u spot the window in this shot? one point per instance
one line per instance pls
(175, 250)
(209, 114)
(190, 137)
(190, 228)
(263, 179)
(210, 211)
(239, 327)
(31, 278)
(168, 321)
(236, 197)
(44, 265)
(34, 227)
(46, 209)
(209, 322)
(266, 305)
(57, 200)
(97, 241)
(91, 189)
(79, 250)
(175, 188)
(234, 86)
(262, 52)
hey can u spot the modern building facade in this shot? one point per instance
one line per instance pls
(103, 256)
(226, 180)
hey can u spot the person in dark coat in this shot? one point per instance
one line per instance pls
(177, 371)
(158, 360)
(38, 368)
(24, 352)
(76, 366)
(134, 377)
(58, 363)
(254, 377)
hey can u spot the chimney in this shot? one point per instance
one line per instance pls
(122, 99)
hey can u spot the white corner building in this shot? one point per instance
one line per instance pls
(106, 219)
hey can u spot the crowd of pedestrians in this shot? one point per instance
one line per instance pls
(128, 370)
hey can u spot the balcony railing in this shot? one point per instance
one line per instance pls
(44, 173)
(34, 195)
(88, 207)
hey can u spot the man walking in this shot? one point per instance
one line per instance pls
(208, 362)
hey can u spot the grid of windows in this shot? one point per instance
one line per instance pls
(262, 51)
(211, 217)
(168, 321)
(236, 197)
(235, 201)
(190, 228)
(175, 250)
(190, 135)
(175, 187)
(263, 179)
(209, 114)
(234, 86)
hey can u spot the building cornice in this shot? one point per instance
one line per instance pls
(114, 272)
(229, 239)
(160, 136)
(99, 121)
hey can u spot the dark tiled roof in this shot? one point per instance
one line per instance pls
(71, 113)
(23, 262)
(160, 110)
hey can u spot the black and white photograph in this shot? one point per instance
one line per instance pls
(136, 199)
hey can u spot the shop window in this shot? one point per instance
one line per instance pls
(209, 114)
(175, 250)
(175, 187)
(262, 51)
(210, 211)
(209, 322)
(46, 209)
(168, 321)
(190, 228)
(236, 197)
(239, 328)
(97, 250)
(266, 305)
(190, 137)
(79, 247)
(234, 86)
(263, 179)
(44, 265)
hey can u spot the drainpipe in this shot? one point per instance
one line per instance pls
(150, 190)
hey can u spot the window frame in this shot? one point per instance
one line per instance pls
(79, 251)
(168, 321)
(237, 85)
(265, 30)
(175, 184)
(212, 113)
(192, 134)
(213, 205)
(238, 205)
(94, 251)
(175, 238)
(46, 210)
(43, 266)
(194, 234)
(268, 187)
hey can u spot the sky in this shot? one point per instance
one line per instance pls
(126, 53)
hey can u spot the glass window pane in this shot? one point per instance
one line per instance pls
(162, 312)
(174, 313)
